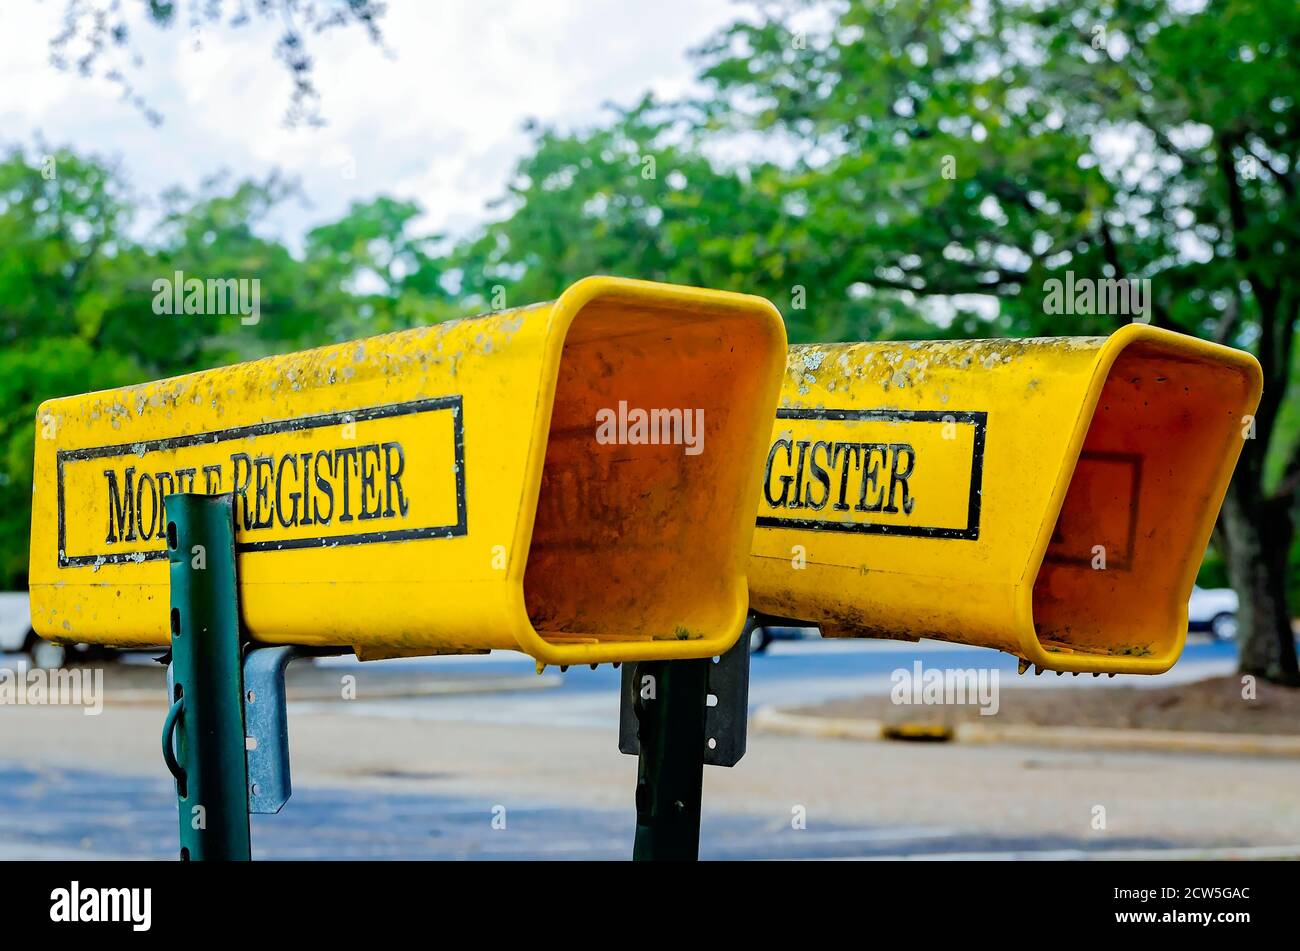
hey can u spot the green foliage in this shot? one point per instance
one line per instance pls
(946, 159)
(1112, 139)
(637, 197)
(31, 370)
(77, 292)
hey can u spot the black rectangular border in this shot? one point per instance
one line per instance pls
(974, 418)
(294, 424)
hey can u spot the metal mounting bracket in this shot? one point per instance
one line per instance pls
(266, 723)
(266, 728)
(726, 716)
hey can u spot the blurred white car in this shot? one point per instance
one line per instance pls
(761, 637)
(1213, 610)
(17, 636)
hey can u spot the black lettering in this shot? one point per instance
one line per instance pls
(870, 468)
(121, 509)
(785, 480)
(393, 480)
(342, 457)
(162, 497)
(797, 500)
(306, 491)
(368, 468)
(240, 488)
(185, 479)
(852, 453)
(262, 475)
(145, 529)
(819, 476)
(171, 483)
(325, 485)
(279, 493)
(897, 478)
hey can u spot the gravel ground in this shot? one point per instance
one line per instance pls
(1214, 706)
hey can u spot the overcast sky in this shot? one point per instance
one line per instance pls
(439, 120)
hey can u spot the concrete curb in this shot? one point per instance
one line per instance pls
(414, 687)
(773, 720)
(1245, 853)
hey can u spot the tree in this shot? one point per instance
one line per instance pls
(376, 271)
(947, 147)
(92, 32)
(77, 292)
(60, 218)
(636, 197)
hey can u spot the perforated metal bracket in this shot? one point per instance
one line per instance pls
(726, 716)
(266, 727)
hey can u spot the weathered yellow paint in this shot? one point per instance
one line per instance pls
(438, 490)
(969, 491)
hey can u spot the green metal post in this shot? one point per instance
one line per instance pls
(671, 700)
(207, 715)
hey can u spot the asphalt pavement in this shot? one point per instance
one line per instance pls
(526, 774)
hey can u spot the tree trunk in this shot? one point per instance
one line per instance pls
(1255, 537)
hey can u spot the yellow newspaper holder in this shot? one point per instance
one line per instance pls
(575, 480)
(1051, 498)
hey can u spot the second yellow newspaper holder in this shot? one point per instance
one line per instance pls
(1051, 498)
(575, 480)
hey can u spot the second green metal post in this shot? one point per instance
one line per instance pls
(671, 700)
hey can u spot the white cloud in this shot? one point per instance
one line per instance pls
(439, 121)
